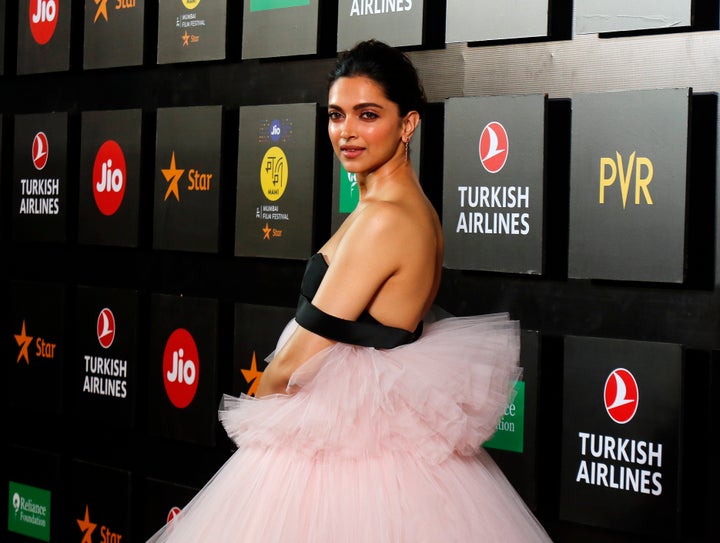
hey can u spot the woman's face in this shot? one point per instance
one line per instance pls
(364, 126)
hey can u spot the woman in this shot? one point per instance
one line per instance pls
(368, 422)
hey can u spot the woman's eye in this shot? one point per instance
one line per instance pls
(369, 115)
(334, 115)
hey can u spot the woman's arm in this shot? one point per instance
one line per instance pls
(361, 264)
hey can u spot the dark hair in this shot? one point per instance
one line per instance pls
(388, 67)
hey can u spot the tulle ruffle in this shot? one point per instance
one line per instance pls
(372, 446)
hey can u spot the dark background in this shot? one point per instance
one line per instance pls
(560, 65)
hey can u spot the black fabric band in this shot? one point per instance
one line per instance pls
(366, 334)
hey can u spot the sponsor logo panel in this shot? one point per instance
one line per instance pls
(109, 193)
(37, 336)
(469, 20)
(279, 28)
(99, 508)
(109, 24)
(40, 184)
(183, 368)
(187, 179)
(190, 31)
(275, 181)
(493, 189)
(29, 511)
(107, 343)
(396, 22)
(638, 15)
(43, 36)
(621, 426)
(257, 329)
(628, 179)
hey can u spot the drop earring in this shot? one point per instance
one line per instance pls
(407, 149)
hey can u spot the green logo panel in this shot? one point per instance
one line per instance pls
(511, 429)
(264, 5)
(29, 511)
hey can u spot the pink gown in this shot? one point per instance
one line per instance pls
(373, 446)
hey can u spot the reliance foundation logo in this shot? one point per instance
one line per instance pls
(29, 511)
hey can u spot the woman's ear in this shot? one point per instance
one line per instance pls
(409, 124)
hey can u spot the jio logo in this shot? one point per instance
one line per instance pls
(621, 395)
(275, 130)
(181, 368)
(43, 19)
(108, 179)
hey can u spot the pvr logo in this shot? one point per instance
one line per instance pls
(191, 4)
(43, 349)
(493, 147)
(181, 368)
(108, 178)
(40, 150)
(87, 528)
(43, 19)
(611, 169)
(621, 395)
(197, 181)
(106, 328)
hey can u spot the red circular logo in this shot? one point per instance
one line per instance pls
(106, 327)
(174, 511)
(40, 150)
(108, 178)
(181, 368)
(493, 147)
(43, 19)
(621, 395)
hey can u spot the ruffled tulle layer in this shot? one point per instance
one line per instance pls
(380, 446)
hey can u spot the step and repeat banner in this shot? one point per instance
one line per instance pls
(255, 184)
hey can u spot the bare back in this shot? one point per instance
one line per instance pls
(386, 258)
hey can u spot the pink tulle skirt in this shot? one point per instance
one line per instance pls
(372, 445)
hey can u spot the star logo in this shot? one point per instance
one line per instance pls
(266, 231)
(102, 10)
(172, 176)
(252, 376)
(86, 526)
(186, 39)
(23, 341)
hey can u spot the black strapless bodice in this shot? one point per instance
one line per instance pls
(365, 331)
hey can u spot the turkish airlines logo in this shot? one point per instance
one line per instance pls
(108, 179)
(40, 149)
(181, 368)
(43, 19)
(493, 147)
(621, 395)
(106, 328)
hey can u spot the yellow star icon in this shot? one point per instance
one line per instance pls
(172, 176)
(23, 341)
(102, 10)
(86, 527)
(252, 376)
(266, 231)
(186, 39)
